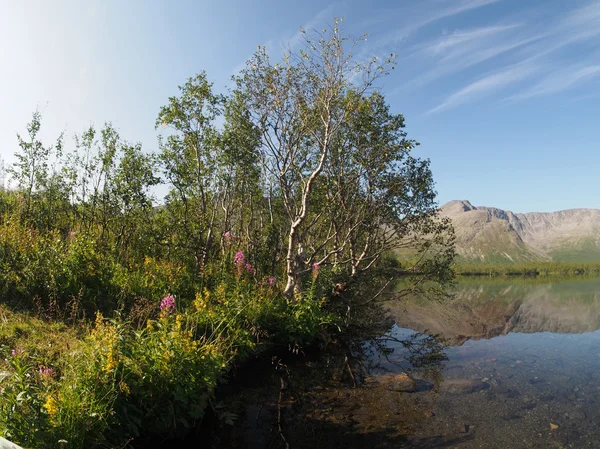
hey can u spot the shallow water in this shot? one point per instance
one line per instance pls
(522, 368)
(505, 363)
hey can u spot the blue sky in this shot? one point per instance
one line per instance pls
(503, 95)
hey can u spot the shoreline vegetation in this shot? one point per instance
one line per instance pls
(529, 269)
(121, 314)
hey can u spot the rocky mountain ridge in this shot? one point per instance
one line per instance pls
(492, 235)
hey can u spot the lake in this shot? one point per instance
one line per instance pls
(522, 366)
(503, 363)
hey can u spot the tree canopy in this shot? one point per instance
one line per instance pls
(302, 165)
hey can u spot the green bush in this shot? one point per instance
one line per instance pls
(118, 380)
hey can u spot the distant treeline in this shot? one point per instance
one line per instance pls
(529, 269)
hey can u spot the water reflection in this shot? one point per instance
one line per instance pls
(406, 351)
(503, 364)
(524, 366)
(482, 309)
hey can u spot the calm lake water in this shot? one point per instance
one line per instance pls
(505, 363)
(519, 368)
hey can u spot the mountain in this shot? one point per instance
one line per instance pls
(489, 235)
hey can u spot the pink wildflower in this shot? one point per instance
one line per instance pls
(239, 258)
(167, 305)
(271, 281)
(46, 372)
(16, 352)
(249, 268)
(229, 236)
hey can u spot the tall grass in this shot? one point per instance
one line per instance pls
(143, 370)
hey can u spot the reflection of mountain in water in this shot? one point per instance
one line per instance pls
(487, 308)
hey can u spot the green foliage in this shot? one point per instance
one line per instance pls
(116, 381)
(283, 197)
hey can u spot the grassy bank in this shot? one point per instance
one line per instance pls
(113, 379)
(99, 350)
(530, 269)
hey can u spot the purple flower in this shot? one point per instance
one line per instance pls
(16, 352)
(229, 236)
(249, 268)
(239, 258)
(167, 305)
(46, 372)
(271, 281)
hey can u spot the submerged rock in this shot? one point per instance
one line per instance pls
(464, 386)
(577, 415)
(403, 383)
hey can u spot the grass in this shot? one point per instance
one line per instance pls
(529, 269)
(114, 380)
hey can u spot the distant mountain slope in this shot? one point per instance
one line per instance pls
(490, 235)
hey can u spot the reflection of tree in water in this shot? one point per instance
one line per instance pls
(417, 355)
(351, 395)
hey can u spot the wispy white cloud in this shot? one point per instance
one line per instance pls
(528, 48)
(446, 9)
(461, 50)
(589, 13)
(430, 12)
(279, 45)
(323, 18)
(459, 39)
(487, 85)
(421, 13)
(524, 56)
(559, 81)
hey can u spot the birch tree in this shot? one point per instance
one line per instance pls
(190, 155)
(299, 107)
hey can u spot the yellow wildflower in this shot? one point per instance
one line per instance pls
(201, 301)
(51, 406)
(110, 361)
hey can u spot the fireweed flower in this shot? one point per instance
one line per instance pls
(46, 372)
(239, 258)
(239, 261)
(315, 270)
(249, 268)
(167, 305)
(271, 281)
(229, 236)
(16, 352)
